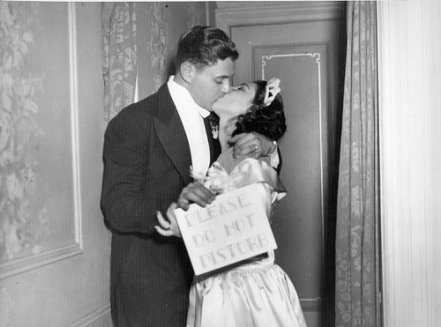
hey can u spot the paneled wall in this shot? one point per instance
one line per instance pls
(54, 248)
(410, 138)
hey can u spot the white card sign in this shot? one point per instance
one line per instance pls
(232, 228)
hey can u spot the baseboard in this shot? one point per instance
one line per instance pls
(97, 318)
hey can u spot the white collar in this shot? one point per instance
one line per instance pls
(185, 99)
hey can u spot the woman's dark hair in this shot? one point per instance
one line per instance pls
(203, 46)
(265, 120)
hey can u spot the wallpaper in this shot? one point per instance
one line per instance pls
(19, 131)
(157, 46)
(37, 152)
(119, 56)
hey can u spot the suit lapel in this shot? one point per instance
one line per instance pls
(172, 135)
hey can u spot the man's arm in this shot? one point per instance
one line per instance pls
(128, 205)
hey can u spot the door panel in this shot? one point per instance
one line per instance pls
(298, 219)
(307, 55)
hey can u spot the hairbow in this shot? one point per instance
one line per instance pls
(271, 90)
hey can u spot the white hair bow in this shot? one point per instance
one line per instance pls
(271, 90)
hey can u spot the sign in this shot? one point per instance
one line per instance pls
(232, 228)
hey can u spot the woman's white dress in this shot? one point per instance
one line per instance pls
(256, 293)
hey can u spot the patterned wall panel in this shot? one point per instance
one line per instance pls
(39, 199)
(158, 45)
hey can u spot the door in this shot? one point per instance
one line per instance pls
(300, 43)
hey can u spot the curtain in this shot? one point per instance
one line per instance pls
(357, 236)
(118, 21)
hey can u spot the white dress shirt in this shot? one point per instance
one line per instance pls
(192, 117)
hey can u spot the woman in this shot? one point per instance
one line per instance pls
(256, 292)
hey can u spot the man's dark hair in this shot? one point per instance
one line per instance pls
(203, 46)
(265, 120)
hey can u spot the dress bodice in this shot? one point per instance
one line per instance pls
(228, 173)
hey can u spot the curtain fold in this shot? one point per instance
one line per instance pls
(118, 22)
(357, 235)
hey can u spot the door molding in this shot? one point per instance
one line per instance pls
(311, 305)
(252, 13)
(322, 128)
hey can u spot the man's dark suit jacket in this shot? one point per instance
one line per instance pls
(146, 165)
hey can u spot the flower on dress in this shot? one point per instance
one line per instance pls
(216, 180)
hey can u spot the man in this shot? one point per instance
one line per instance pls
(148, 150)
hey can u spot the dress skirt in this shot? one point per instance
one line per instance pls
(256, 294)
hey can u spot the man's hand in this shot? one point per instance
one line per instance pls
(195, 193)
(170, 227)
(251, 145)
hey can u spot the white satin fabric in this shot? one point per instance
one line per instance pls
(257, 293)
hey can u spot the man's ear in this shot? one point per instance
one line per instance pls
(188, 71)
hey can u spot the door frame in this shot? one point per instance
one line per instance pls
(286, 12)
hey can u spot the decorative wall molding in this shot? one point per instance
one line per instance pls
(94, 316)
(20, 265)
(76, 159)
(229, 17)
(317, 58)
(311, 305)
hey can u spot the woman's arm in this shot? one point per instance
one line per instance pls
(254, 145)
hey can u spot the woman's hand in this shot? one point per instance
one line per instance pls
(252, 145)
(170, 227)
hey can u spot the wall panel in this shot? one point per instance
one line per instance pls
(54, 246)
(410, 120)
